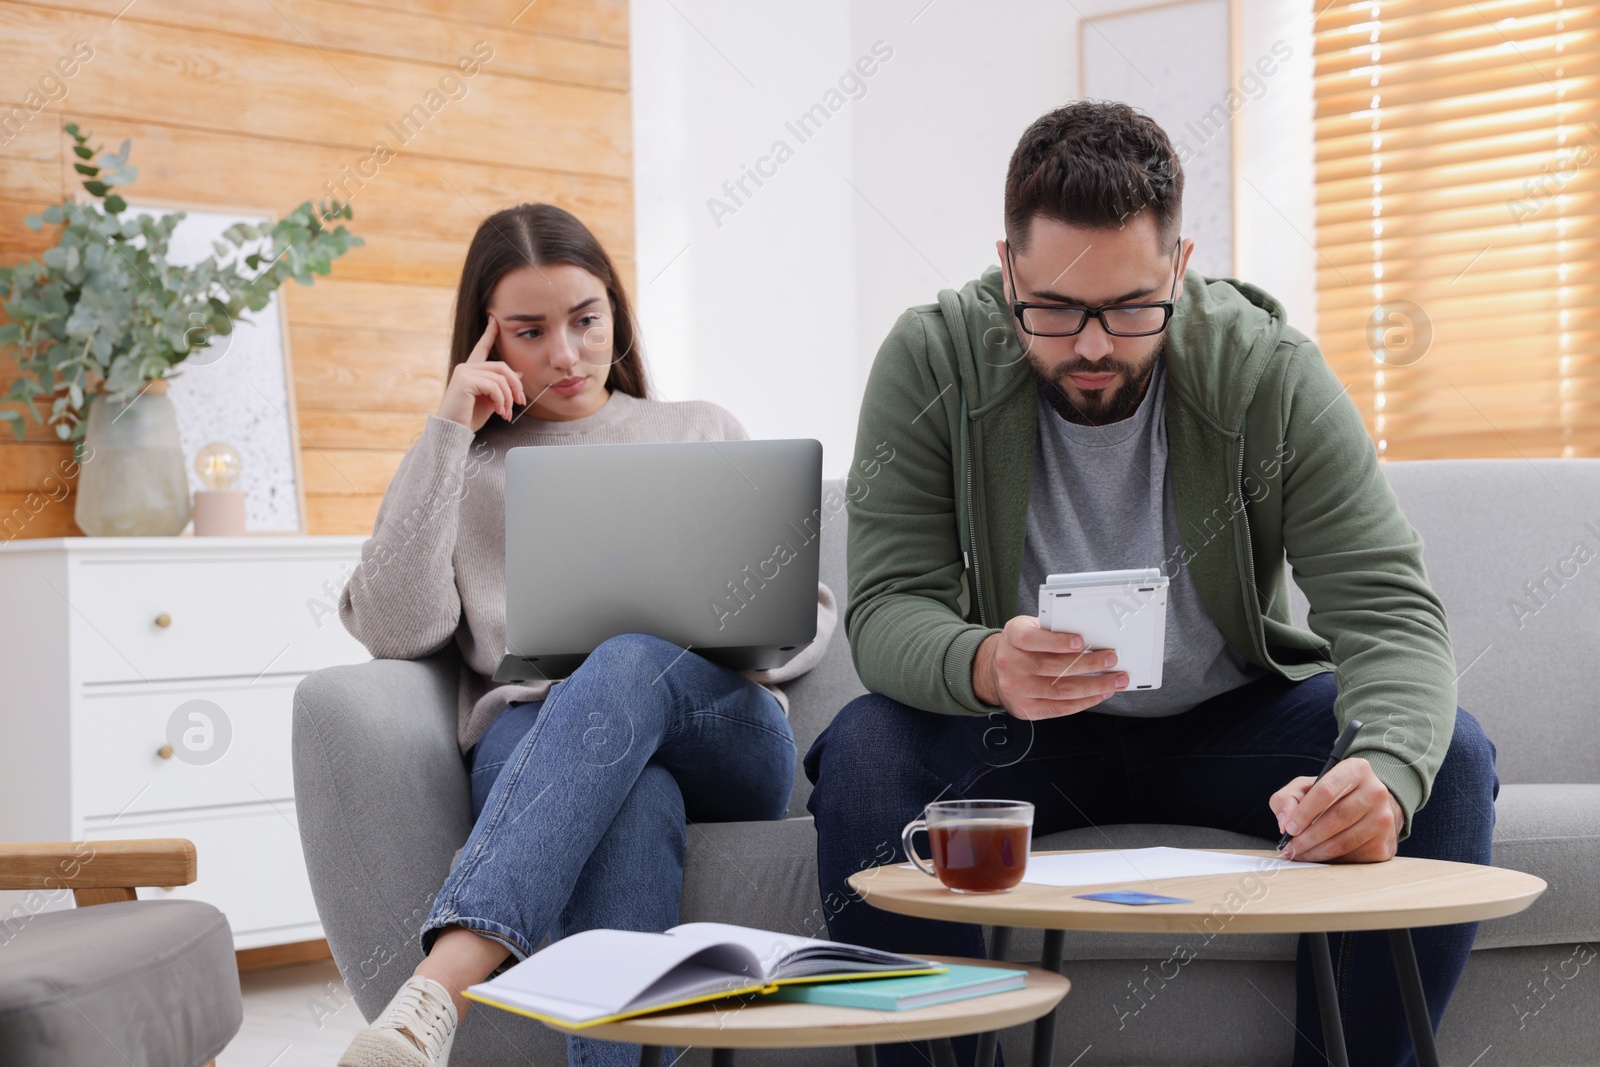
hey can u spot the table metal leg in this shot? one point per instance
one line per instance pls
(722, 1057)
(986, 1046)
(649, 1056)
(866, 1056)
(1044, 1030)
(1328, 1001)
(1000, 948)
(944, 1053)
(1000, 943)
(1405, 968)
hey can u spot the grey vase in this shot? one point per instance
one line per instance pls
(132, 481)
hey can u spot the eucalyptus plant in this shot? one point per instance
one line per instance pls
(104, 311)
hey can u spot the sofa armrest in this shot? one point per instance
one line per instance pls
(97, 872)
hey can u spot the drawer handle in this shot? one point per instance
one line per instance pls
(165, 751)
(163, 620)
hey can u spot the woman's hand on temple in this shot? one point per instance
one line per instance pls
(480, 386)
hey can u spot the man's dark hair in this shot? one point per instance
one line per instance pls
(1093, 163)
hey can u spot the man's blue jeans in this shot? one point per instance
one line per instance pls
(581, 800)
(880, 762)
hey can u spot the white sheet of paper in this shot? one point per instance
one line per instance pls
(1145, 864)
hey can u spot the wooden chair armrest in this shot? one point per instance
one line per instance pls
(98, 872)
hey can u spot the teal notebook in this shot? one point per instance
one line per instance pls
(902, 994)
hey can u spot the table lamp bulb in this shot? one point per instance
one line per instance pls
(218, 465)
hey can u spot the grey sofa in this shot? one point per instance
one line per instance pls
(383, 806)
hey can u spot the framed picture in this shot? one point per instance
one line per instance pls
(1175, 62)
(239, 389)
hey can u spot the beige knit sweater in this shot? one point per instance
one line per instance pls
(434, 568)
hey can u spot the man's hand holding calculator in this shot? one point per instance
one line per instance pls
(1036, 673)
(1062, 662)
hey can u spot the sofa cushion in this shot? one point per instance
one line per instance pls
(761, 874)
(149, 982)
(1552, 831)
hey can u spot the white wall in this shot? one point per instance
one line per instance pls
(753, 309)
(777, 312)
(932, 146)
(1275, 199)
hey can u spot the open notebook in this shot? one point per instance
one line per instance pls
(599, 976)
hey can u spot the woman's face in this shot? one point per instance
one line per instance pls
(555, 330)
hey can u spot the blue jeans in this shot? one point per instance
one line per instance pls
(880, 762)
(580, 801)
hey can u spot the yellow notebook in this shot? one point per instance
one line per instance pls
(600, 976)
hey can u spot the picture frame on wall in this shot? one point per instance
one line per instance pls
(240, 388)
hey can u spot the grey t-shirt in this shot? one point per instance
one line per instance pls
(1102, 500)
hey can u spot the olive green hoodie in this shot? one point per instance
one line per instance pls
(1268, 459)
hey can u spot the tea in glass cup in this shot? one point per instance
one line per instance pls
(979, 846)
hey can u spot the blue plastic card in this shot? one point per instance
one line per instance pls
(1133, 898)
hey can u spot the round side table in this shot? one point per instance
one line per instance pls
(760, 1022)
(1395, 895)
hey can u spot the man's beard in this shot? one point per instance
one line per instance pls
(1098, 409)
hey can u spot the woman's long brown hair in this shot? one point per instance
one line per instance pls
(538, 235)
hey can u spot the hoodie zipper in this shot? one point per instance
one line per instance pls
(972, 523)
(972, 539)
(1250, 562)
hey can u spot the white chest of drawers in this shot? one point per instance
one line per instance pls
(146, 688)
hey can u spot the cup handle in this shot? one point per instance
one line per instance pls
(911, 853)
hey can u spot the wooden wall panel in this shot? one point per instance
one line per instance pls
(238, 104)
(289, 92)
(589, 20)
(338, 28)
(412, 194)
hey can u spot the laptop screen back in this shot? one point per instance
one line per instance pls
(711, 545)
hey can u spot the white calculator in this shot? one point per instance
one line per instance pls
(1123, 610)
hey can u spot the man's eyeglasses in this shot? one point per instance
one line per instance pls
(1119, 320)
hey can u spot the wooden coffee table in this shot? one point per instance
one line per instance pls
(760, 1022)
(1396, 895)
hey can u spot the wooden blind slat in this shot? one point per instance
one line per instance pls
(1445, 254)
(1356, 161)
(1474, 39)
(1481, 227)
(1506, 130)
(1348, 21)
(1463, 89)
(1469, 116)
(1517, 175)
(1444, 307)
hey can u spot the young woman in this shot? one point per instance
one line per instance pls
(580, 789)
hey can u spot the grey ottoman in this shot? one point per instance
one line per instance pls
(151, 983)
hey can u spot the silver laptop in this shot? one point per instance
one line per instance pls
(711, 545)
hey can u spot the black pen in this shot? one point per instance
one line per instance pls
(1341, 748)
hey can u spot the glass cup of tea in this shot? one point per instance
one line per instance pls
(979, 846)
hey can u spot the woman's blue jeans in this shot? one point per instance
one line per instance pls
(581, 801)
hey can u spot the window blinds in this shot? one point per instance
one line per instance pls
(1458, 222)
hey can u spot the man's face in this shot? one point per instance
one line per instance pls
(1100, 378)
